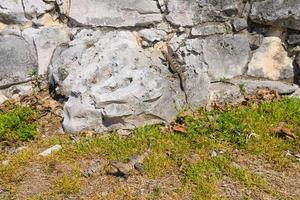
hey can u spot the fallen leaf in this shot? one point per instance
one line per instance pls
(179, 128)
(282, 131)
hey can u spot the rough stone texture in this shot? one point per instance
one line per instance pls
(190, 13)
(210, 29)
(223, 56)
(152, 35)
(46, 39)
(271, 61)
(11, 11)
(224, 92)
(251, 86)
(114, 83)
(35, 8)
(18, 59)
(239, 24)
(116, 13)
(108, 62)
(277, 12)
(296, 94)
(294, 39)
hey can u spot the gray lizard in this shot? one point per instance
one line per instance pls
(135, 162)
(176, 69)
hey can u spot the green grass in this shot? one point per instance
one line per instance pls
(188, 155)
(18, 124)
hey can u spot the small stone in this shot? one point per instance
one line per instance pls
(294, 39)
(289, 153)
(239, 24)
(152, 35)
(5, 162)
(104, 194)
(93, 168)
(2, 98)
(124, 132)
(213, 153)
(19, 149)
(209, 29)
(47, 152)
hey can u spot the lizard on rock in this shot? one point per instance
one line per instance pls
(135, 162)
(176, 68)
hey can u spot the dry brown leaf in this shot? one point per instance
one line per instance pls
(179, 128)
(282, 131)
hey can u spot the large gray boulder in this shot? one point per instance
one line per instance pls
(277, 12)
(18, 59)
(114, 13)
(113, 83)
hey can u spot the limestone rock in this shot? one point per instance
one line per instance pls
(223, 56)
(46, 39)
(294, 39)
(52, 149)
(239, 24)
(11, 12)
(35, 8)
(224, 92)
(152, 35)
(190, 13)
(112, 83)
(18, 59)
(210, 29)
(115, 13)
(277, 12)
(271, 61)
(251, 86)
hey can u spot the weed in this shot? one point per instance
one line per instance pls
(18, 124)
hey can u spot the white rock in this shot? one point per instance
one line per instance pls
(152, 35)
(47, 152)
(5, 162)
(11, 11)
(210, 29)
(46, 39)
(116, 13)
(271, 61)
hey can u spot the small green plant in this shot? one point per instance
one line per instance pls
(242, 88)
(18, 124)
(67, 184)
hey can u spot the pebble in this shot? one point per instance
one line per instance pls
(47, 152)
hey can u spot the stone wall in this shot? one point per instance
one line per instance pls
(104, 56)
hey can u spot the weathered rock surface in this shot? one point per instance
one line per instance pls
(113, 83)
(190, 13)
(152, 35)
(18, 59)
(35, 8)
(105, 56)
(116, 13)
(45, 40)
(12, 12)
(224, 92)
(251, 86)
(271, 61)
(210, 29)
(277, 12)
(223, 56)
